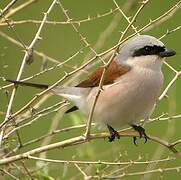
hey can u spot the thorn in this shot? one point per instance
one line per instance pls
(66, 74)
(65, 10)
(39, 38)
(166, 96)
(129, 17)
(57, 2)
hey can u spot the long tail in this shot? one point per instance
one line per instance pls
(39, 86)
(21, 83)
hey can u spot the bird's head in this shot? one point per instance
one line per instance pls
(144, 50)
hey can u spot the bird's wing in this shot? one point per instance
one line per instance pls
(113, 72)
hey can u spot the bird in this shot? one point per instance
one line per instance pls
(131, 86)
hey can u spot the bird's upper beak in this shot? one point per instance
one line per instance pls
(167, 53)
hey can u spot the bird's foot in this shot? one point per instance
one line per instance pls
(113, 134)
(141, 132)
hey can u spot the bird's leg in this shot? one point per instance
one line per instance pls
(141, 132)
(113, 134)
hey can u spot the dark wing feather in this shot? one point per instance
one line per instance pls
(74, 108)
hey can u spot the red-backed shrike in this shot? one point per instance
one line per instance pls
(131, 86)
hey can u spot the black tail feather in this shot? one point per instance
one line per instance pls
(39, 86)
(74, 108)
(21, 83)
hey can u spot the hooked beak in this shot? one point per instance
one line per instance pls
(167, 53)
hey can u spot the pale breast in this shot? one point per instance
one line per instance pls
(130, 99)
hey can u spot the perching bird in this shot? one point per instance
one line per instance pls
(131, 86)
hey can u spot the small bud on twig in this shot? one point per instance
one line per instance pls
(29, 58)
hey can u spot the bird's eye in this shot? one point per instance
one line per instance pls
(147, 48)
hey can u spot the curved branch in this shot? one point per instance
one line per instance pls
(81, 140)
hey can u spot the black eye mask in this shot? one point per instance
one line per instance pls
(149, 50)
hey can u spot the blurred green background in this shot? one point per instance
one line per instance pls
(60, 41)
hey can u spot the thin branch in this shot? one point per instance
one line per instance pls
(159, 170)
(6, 9)
(168, 32)
(78, 21)
(168, 14)
(15, 33)
(170, 67)
(165, 118)
(130, 162)
(53, 133)
(27, 170)
(80, 140)
(35, 117)
(86, 177)
(160, 118)
(42, 55)
(9, 174)
(169, 86)
(24, 61)
(82, 37)
(18, 8)
(59, 65)
(124, 15)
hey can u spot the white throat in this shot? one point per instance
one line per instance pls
(152, 62)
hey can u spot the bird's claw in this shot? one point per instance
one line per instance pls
(141, 132)
(113, 134)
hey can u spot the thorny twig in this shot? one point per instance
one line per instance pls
(80, 139)
(78, 21)
(7, 8)
(24, 62)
